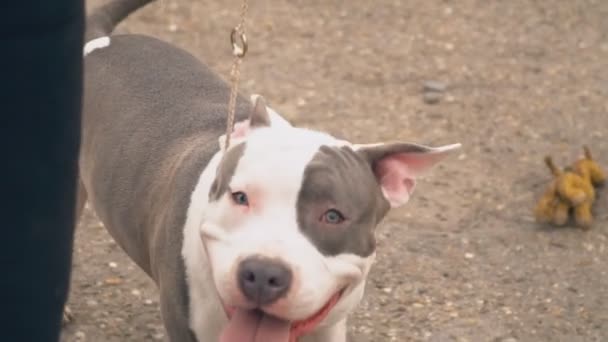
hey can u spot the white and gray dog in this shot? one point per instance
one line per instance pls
(269, 241)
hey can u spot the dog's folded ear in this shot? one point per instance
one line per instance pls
(398, 165)
(260, 116)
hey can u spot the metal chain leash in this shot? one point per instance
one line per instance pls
(238, 39)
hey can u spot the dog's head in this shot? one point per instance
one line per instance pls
(587, 167)
(290, 225)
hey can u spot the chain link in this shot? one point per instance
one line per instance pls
(239, 50)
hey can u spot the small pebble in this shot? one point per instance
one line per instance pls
(113, 281)
(436, 86)
(112, 264)
(80, 335)
(432, 97)
(469, 255)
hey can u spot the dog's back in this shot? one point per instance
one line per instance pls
(152, 116)
(151, 112)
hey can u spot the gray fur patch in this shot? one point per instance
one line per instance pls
(342, 179)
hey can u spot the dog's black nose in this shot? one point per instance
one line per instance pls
(263, 281)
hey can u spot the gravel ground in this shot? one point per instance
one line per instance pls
(464, 260)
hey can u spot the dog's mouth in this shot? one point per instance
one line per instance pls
(254, 325)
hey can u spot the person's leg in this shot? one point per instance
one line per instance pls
(40, 90)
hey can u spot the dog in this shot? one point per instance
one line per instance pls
(269, 239)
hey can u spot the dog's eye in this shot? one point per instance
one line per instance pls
(332, 216)
(240, 198)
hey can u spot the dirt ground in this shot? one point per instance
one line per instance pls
(464, 260)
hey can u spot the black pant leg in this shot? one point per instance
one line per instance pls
(40, 102)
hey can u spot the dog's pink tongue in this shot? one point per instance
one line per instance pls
(255, 326)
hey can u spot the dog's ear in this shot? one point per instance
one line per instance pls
(264, 116)
(398, 165)
(260, 116)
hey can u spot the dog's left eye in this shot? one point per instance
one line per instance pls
(332, 216)
(240, 198)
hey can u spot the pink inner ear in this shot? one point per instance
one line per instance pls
(396, 179)
(397, 174)
(241, 129)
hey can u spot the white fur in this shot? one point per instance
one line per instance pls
(97, 43)
(277, 120)
(272, 169)
(206, 310)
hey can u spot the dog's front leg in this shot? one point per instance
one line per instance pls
(175, 314)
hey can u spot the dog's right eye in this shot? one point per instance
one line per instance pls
(332, 216)
(240, 198)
